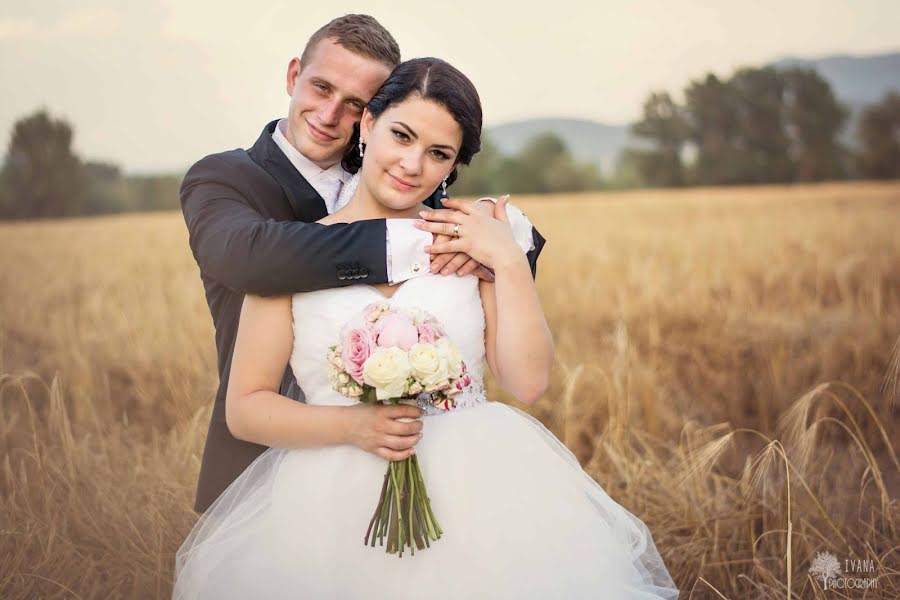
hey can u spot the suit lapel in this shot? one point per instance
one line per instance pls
(305, 201)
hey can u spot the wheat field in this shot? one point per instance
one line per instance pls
(723, 369)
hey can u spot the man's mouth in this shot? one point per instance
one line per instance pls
(319, 134)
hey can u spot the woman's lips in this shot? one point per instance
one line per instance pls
(400, 184)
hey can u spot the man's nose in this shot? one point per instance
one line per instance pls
(331, 113)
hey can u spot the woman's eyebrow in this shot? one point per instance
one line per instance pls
(413, 134)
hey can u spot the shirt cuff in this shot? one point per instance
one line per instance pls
(520, 225)
(406, 256)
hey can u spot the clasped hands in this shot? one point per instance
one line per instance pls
(447, 254)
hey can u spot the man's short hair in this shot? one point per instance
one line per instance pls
(361, 34)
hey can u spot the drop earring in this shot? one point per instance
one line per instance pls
(360, 148)
(444, 186)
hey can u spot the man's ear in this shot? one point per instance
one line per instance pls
(293, 72)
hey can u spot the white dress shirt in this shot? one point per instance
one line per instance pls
(405, 251)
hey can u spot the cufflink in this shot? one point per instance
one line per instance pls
(416, 267)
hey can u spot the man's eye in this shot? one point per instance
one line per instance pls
(321, 87)
(356, 105)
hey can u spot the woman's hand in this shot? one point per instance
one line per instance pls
(387, 430)
(485, 237)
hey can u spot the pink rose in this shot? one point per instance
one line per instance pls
(436, 325)
(396, 329)
(357, 346)
(428, 333)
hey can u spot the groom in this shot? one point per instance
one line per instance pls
(250, 216)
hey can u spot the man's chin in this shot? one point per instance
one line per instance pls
(321, 153)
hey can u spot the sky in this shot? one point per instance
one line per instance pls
(155, 85)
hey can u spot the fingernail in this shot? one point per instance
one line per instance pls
(445, 272)
(422, 213)
(434, 268)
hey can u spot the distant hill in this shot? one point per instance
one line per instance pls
(857, 81)
(589, 141)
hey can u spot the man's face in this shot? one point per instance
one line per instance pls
(328, 95)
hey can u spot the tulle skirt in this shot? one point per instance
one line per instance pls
(521, 520)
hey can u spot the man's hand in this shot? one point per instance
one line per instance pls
(460, 262)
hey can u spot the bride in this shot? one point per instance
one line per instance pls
(521, 519)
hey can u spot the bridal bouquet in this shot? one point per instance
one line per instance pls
(392, 355)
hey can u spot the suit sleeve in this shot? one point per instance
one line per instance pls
(235, 245)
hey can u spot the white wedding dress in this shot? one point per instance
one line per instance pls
(521, 519)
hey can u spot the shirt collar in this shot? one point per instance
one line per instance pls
(307, 168)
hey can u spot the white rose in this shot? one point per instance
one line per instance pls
(386, 370)
(451, 354)
(428, 364)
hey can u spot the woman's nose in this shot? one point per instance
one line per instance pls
(411, 162)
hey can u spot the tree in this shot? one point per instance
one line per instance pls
(763, 125)
(546, 166)
(41, 175)
(663, 125)
(713, 115)
(106, 190)
(762, 149)
(879, 135)
(481, 177)
(814, 120)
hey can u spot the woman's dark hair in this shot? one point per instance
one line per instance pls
(430, 79)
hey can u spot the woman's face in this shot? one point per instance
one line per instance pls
(409, 150)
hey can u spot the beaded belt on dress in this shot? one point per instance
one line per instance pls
(471, 396)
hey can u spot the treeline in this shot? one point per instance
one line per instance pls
(43, 177)
(761, 125)
(543, 166)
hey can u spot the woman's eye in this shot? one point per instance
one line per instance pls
(439, 155)
(400, 135)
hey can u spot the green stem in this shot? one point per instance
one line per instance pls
(434, 527)
(375, 515)
(412, 502)
(396, 517)
(385, 509)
